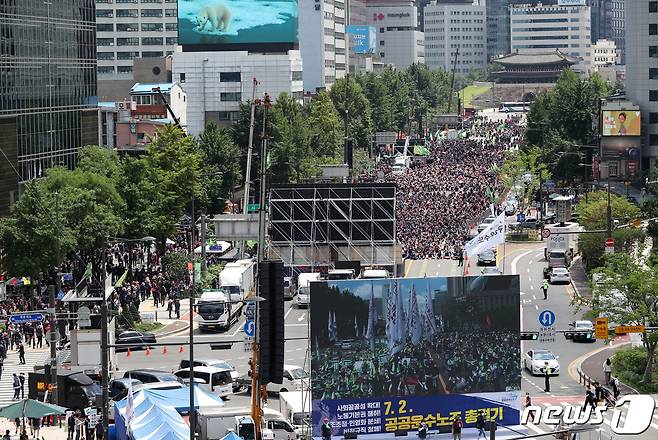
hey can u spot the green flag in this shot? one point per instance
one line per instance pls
(421, 150)
(121, 279)
(489, 193)
(87, 274)
(268, 162)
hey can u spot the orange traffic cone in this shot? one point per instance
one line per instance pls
(128, 353)
(468, 265)
(181, 349)
(148, 351)
(164, 350)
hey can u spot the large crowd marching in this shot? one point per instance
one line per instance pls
(437, 202)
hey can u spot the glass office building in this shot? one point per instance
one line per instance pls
(48, 100)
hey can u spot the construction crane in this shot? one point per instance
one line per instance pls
(171, 112)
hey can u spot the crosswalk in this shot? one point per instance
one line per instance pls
(11, 365)
(579, 400)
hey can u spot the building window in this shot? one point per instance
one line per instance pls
(653, 118)
(105, 13)
(132, 41)
(171, 13)
(127, 13)
(653, 73)
(230, 96)
(105, 27)
(152, 41)
(653, 95)
(297, 75)
(228, 116)
(171, 41)
(151, 12)
(653, 29)
(171, 26)
(152, 54)
(653, 51)
(104, 41)
(105, 70)
(230, 77)
(127, 27)
(125, 69)
(105, 56)
(653, 139)
(653, 6)
(127, 55)
(152, 27)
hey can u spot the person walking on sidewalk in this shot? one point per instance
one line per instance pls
(21, 379)
(607, 370)
(21, 353)
(544, 288)
(177, 307)
(170, 307)
(547, 377)
(614, 382)
(16, 385)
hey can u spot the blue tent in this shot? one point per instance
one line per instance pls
(232, 436)
(157, 414)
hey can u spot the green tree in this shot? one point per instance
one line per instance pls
(172, 167)
(629, 295)
(220, 168)
(593, 217)
(324, 126)
(360, 115)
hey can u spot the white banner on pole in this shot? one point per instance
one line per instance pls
(493, 235)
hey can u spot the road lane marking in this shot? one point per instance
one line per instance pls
(536, 307)
(534, 428)
(301, 318)
(534, 297)
(532, 287)
(516, 259)
(239, 329)
(530, 279)
(528, 270)
(288, 312)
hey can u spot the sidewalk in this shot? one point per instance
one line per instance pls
(593, 365)
(579, 279)
(46, 432)
(160, 314)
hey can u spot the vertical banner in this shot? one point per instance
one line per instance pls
(390, 354)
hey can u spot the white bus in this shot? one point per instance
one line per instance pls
(510, 107)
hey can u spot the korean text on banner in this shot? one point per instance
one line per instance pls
(493, 235)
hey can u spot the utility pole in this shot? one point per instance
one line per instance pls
(250, 149)
(52, 305)
(255, 358)
(105, 363)
(204, 265)
(192, 411)
(452, 80)
(347, 156)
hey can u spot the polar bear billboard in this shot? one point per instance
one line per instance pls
(237, 22)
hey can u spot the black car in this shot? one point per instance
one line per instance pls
(134, 339)
(147, 375)
(120, 386)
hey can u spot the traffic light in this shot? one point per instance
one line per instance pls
(529, 336)
(270, 322)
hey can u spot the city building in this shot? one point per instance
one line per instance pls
(452, 27)
(149, 102)
(400, 41)
(608, 23)
(48, 107)
(642, 71)
(498, 23)
(538, 27)
(539, 67)
(128, 29)
(322, 42)
(217, 82)
(604, 53)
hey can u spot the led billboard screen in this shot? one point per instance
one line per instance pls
(389, 354)
(363, 38)
(236, 22)
(621, 122)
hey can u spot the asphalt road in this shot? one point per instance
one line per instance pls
(296, 326)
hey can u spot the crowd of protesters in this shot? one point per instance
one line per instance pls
(438, 201)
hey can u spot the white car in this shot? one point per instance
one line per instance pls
(535, 362)
(582, 331)
(559, 275)
(487, 221)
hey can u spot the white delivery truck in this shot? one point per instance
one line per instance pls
(216, 311)
(237, 278)
(295, 406)
(304, 287)
(215, 423)
(561, 246)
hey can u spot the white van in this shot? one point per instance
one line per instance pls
(217, 381)
(370, 274)
(304, 287)
(293, 376)
(341, 274)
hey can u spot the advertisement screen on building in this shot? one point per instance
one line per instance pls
(236, 22)
(363, 39)
(621, 122)
(389, 354)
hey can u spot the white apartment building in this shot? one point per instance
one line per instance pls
(642, 70)
(399, 40)
(604, 53)
(217, 82)
(541, 28)
(322, 42)
(127, 29)
(450, 27)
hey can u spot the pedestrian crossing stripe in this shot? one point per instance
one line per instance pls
(11, 366)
